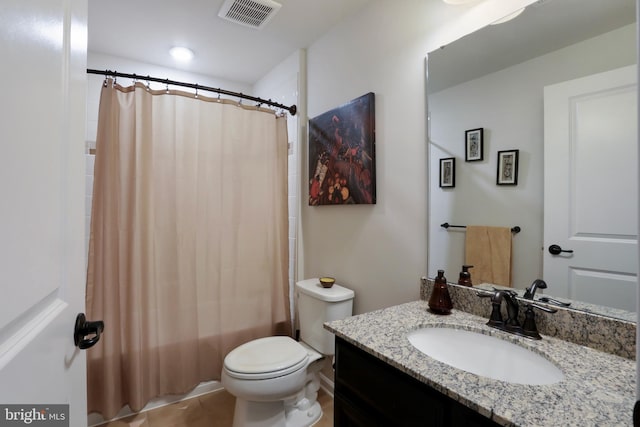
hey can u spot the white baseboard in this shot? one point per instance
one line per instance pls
(326, 384)
(95, 419)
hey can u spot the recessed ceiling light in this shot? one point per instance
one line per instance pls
(181, 54)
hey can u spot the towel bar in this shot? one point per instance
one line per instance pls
(515, 229)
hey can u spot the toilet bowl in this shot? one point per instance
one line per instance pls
(276, 389)
(275, 379)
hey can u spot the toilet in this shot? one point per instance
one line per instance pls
(275, 379)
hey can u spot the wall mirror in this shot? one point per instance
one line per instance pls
(501, 79)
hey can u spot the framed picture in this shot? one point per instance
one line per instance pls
(448, 172)
(507, 167)
(342, 167)
(473, 145)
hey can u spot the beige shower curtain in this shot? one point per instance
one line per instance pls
(188, 253)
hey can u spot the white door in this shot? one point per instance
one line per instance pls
(42, 122)
(591, 188)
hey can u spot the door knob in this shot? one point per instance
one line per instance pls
(84, 328)
(557, 250)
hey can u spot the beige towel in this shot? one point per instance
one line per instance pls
(488, 249)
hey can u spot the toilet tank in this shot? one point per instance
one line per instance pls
(317, 305)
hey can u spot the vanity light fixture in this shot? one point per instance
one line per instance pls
(509, 17)
(181, 54)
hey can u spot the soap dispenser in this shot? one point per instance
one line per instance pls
(440, 300)
(465, 276)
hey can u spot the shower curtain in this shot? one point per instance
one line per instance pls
(188, 253)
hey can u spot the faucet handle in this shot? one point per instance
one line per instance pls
(529, 327)
(483, 293)
(542, 308)
(553, 301)
(495, 319)
(498, 294)
(495, 294)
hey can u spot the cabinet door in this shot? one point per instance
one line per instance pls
(370, 392)
(461, 416)
(347, 414)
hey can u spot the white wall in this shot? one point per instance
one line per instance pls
(380, 251)
(282, 85)
(508, 104)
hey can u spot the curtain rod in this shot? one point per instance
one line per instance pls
(292, 109)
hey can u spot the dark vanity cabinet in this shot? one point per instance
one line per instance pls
(369, 392)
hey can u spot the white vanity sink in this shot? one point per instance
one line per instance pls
(485, 355)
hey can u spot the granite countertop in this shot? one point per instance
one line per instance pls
(598, 388)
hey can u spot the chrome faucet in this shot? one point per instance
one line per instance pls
(512, 324)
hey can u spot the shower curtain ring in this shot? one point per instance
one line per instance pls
(196, 90)
(167, 85)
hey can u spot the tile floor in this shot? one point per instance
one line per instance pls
(209, 410)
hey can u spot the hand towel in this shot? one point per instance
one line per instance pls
(488, 249)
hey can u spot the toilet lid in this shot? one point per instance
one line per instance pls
(266, 357)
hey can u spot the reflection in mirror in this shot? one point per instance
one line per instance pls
(495, 79)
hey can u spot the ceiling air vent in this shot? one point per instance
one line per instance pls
(250, 13)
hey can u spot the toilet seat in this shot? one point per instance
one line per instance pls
(266, 358)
